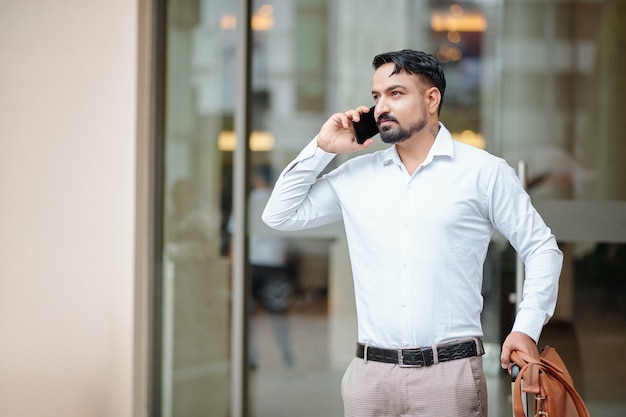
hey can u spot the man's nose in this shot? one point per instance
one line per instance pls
(381, 108)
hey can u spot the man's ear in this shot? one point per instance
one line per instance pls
(433, 98)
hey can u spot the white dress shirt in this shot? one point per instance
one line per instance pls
(418, 242)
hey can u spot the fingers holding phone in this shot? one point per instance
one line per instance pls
(338, 134)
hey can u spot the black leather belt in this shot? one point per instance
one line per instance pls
(424, 356)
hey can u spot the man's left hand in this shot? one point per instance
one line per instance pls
(517, 341)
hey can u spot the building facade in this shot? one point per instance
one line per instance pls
(130, 134)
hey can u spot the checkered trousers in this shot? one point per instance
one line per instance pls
(448, 389)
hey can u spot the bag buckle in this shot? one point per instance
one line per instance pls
(539, 400)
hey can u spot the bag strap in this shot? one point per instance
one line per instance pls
(532, 365)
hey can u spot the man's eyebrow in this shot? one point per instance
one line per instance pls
(391, 87)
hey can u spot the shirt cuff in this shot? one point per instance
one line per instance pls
(311, 151)
(529, 323)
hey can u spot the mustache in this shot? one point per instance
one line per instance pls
(386, 117)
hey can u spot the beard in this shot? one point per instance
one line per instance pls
(399, 134)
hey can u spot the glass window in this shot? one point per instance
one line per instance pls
(195, 306)
(539, 82)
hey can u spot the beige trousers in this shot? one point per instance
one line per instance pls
(448, 389)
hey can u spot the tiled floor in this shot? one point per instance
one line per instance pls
(310, 388)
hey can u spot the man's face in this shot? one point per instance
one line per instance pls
(400, 104)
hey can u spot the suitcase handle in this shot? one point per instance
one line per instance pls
(514, 372)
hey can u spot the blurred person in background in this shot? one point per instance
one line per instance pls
(272, 277)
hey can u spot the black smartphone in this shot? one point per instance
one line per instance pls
(366, 127)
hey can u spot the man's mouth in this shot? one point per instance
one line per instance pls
(385, 121)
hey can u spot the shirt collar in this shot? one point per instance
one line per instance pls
(443, 146)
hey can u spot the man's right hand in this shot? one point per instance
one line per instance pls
(337, 134)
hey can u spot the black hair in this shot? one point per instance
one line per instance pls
(415, 62)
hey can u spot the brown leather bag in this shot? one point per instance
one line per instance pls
(550, 384)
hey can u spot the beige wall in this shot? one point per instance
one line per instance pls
(67, 202)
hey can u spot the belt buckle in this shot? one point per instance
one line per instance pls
(401, 363)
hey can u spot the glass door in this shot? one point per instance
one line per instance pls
(536, 82)
(561, 95)
(195, 325)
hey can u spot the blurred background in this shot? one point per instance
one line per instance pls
(139, 141)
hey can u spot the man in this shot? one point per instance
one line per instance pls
(418, 216)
